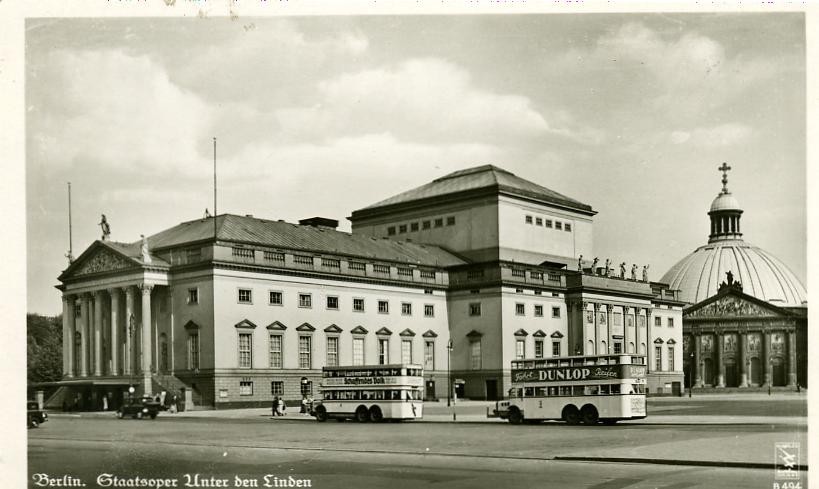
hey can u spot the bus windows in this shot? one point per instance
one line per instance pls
(529, 392)
(615, 388)
(541, 392)
(552, 391)
(587, 390)
(577, 390)
(565, 390)
(604, 390)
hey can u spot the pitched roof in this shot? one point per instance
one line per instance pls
(486, 177)
(280, 234)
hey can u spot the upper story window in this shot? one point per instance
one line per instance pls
(358, 351)
(475, 354)
(548, 223)
(332, 302)
(332, 351)
(406, 309)
(245, 350)
(450, 221)
(536, 276)
(245, 296)
(305, 300)
(658, 321)
(193, 296)
(539, 221)
(558, 225)
(528, 219)
(475, 309)
(658, 358)
(671, 323)
(383, 307)
(305, 351)
(671, 358)
(518, 272)
(358, 305)
(439, 222)
(555, 348)
(520, 309)
(276, 298)
(391, 231)
(538, 348)
(428, 291)
(567, 227)
(414, 226)
(426, 224)
(429, 310)
(538, 311)
(275, 351)
(402, 228)
(520, 349)
(555, 312)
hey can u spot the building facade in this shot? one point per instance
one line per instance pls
(462, 275)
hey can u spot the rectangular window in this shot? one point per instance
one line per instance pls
(558, 225)
(670, 322)
(305, 300)
(384, 269)
(305, 352)
(555, 348)
(520, 309)
(332, 351)
(429, 355)
(426, 224)
(567, 227)
(193, 296)
(406, 309)
(618, 348)
(391, 231)
(275, 298)
(276, 388)
(658, 358)
(528, 219)
(475, 309)
(332, 302)
(670, 358)
(406, 351)
(383, 351)
(276, 351)
(383, 307)
(245, 388)
(520, 349)
(450, 221)
(414, 226)
(358, 351)
(475, 355)
(245, 350)
(539, 221)
(429, 310)
(245, 296)
(402, 228)
(658, 321)
(538, 348)
(358, 305)
(555, 312)
(439, 222)
(548, 223)
(274, 256)
(243, 253)
(538, 311)
(357, 266)
(303, 260)
(193, 351)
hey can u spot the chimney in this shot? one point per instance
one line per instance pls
(319, 222)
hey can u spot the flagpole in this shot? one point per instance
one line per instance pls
(70, 230)
(215, 212)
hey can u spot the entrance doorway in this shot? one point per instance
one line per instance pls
(779, 372)
(708, 372)
(491, 389)
(755, 374)
(430, 392)
(731, 379)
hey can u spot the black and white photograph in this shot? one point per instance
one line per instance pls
(466, 245)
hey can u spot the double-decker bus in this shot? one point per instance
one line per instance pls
(371, 393)
(587, 389)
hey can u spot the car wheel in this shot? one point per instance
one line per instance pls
(321, 414)
(153, 415)
(376, 415)
(515, 416)
(589, 414)
(362, 415)
(33, 423)
(571, 415)
(120, 414)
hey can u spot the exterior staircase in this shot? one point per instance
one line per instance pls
(55, 400)
(173, 387)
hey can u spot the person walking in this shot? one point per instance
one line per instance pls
(282, 407)
(275, 406)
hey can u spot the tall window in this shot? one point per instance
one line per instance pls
(275, 351)
(193, 351)
(658, 358)
(383, 307)
(406, 351)
(358, 351)
(618, 348)
(406, 309)
(383, 351)
(520, 349)
(429, 310)
(305, 352)
(475, 355)
(671, 358)
(555, 312)
(670, 322)
(538, 348)
(193, 296)
(305, 300)
(520, 309)
(538, 311)
(332, 351)
(475, 309)
(555, 348)
(245, 350)
(658, 321)
(429, 355)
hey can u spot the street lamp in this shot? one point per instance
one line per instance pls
(448, 380)
(691, 366)
(131, 329)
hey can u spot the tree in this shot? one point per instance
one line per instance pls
(44, 348)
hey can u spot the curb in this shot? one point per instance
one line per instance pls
(659, 461)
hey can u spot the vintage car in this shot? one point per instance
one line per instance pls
(139, 408)
(36, 416)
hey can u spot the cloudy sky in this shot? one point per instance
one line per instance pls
(319, 116)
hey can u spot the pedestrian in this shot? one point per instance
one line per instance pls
(303, 404)
(173, 405)
(275, 406)
(282, 407)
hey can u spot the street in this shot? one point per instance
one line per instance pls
(205, 451)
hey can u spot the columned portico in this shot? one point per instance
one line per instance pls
(720, 357)
(697, 360)
(744, 360)
(115, 327)
(768, 359)
(98, 333)
(130, 329)
(145, 332)
(792, 359)
(68, 335)
(86, 316)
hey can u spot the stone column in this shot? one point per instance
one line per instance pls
(648, 340)
(85, 308)
(743, 353)
(720, 360)
(596, 309)
(69, 348)
(637, 314)
(697, 359)
(792, 359)
(145, 331)
(115, 327)
(98, 333)
(767, 358)
(130, 329)
(608, 329)
(67, 311)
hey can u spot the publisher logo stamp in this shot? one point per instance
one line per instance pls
(786, 456)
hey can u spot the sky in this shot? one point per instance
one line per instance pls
(320, 116)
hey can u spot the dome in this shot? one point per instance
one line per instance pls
(761, 274)
(724, 202)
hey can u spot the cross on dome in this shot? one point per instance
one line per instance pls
(724, 169)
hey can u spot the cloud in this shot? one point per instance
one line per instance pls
(715, 136)
(118, 111)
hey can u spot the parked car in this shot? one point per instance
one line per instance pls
(36, 416)
(139, 408)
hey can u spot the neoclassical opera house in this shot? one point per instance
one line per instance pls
(746, 322)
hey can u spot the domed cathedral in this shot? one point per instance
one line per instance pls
(745, 324)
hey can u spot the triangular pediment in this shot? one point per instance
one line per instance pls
(521, 332)
(557, 334)
(306, 327)
(277, 326)
(384, 332)
(358, 330)
(732, 303)
(191, 325)
(539, 334)
(430, 334)
(245, 323)
(333, 329)
(407, 332)
(99, 258)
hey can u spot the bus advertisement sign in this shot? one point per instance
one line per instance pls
(591, 372)
(342, 381)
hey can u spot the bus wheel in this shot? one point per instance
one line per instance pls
(321, 414)
(515, 416)
(375, 414)
(589, 414)
(362, 415)
(571, 415)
